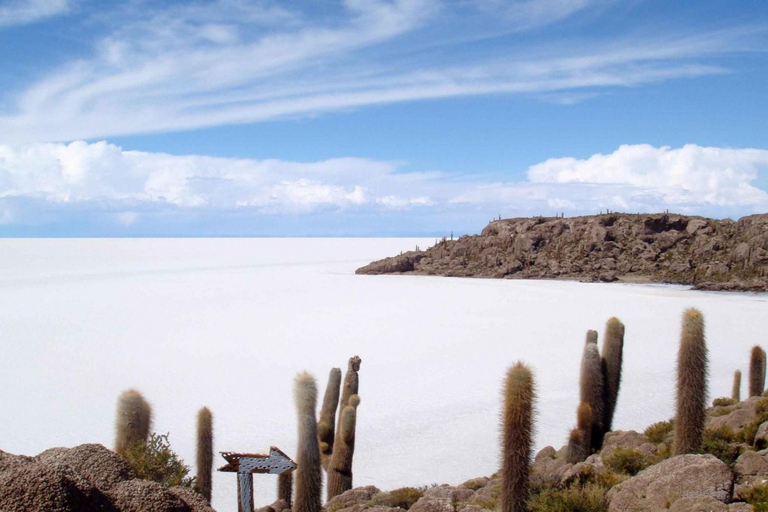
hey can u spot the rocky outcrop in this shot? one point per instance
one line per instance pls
(707, 253)
(683, 476)
(85, 478)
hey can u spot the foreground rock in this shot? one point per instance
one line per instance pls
(85, 478)
(710, 254)
(694, 477)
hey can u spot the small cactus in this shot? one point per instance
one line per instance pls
(326, 424)
(736, 390)
(134, 419)
(517, 430)
(579, 440)
(756, 371)
(591, 388)
(204, 452)
(691, 384)
(285, 487)
(613, 349)
(340, 467)
(309, 478)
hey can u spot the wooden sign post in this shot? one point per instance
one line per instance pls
(246, 464)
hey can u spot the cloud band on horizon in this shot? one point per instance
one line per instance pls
(46, 182)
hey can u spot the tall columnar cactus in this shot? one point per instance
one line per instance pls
(309, 478)
(591, 388)
(691, 384)
(204, 452)
(579, 440)
(340, 467)
(756, 371)
(285, 487)
(134, 419)
(326, 424)
(517, 431)
(736, 390)
(613, 350)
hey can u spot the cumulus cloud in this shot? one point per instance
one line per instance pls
(688, 175)
(191, 65)
(45, 182)
(20, 12)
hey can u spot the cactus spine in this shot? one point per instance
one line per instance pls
(756, 371)
(285, 487)
(736, 391)
(579, 439)
(325, 427)
(309, 478)
(591, 388)
(612, 357)
(204, 452)
(134, 419)
(340, 467)
(691, 384)
(517, 431)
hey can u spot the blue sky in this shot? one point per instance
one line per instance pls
(374, 117)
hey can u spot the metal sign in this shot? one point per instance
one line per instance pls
(245, 464)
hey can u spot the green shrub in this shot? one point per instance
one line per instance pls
(723, 401)
(403, 497)
(757, 497)
(747, 434)
(717, 442)
(659, 431)
(627, 461)
(154, 460)
(587, 498)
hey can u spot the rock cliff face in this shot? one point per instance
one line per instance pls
(662, 248)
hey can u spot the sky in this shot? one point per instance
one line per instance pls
(374, 117)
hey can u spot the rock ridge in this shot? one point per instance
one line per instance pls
(709, 254)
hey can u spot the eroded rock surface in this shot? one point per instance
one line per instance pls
(707, 253)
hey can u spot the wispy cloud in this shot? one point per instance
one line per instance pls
(21, 12)
(230, 62)
(137, 189)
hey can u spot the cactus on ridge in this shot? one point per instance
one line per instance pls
(285, 487)
(134, 419)
(326, 424)
(517, 426)
(579, 440)
(309, 477)
(340, 466)
(613, 348)
(591, 388)
(691, 384)
(204, 452)
(736, 390)
(756, 371)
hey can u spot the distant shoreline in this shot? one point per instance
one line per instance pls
(706, 254)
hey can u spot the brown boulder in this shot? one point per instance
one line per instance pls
(146, 496)
(741, 415)
(683, 476)
(101, 466)
(33, 487)
(698, 504)
(353, 497)
(751, 469)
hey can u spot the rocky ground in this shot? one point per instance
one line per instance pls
(662, 248)
(86, 478)
(633, 472)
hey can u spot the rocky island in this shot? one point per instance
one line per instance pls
(708, 254)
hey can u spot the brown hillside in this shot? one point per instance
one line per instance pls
(664, 248)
